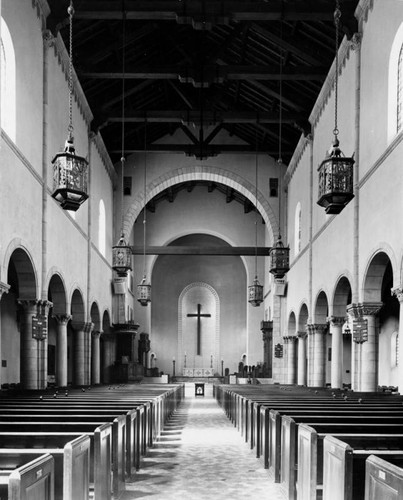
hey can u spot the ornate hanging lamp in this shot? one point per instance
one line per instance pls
(255, 291)
(122, 252)
(70, 172)
(336, 170)
(144, 288)
(279, 254)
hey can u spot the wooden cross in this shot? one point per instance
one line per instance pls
(198, 315)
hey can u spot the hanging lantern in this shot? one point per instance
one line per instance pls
(255, 292)
(70, 178)
(70, 172)
(122, 257)
(336, 170)
(279, 259)
(335, 180)
(144, 292)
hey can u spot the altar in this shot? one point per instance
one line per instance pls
(198, 372)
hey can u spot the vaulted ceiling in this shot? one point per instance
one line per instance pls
(202, 67)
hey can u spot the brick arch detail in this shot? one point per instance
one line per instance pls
(197, 173)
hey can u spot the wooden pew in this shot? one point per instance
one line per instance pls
(36, 476)
(344, 470)
(382, 479)
(71, 466)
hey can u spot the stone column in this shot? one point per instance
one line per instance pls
(367, 352)
(79, 352)
(88, 327)
(317, 354)
(290, 342)
(96, 359)
(109, 357)
(61, 349)
(302, 379)
(336, 325)
(43, 309)
(4, 288)
(398, 292)
(266, 328)
(29, 346)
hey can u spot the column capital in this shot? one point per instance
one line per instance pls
(27, 304)
(317, 328)
(398, 292)
(4, 288)
(289, 339)
(364, 309)
(44, 306)
(337, 320)
(88, 327)
(62, 319)
(96, 333)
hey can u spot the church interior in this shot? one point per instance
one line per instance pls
(201, 206)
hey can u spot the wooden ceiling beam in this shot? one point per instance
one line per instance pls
(193, 250)
(211, 74)
(209, 117)
(209, 13)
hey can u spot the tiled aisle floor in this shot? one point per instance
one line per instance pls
(200, 455)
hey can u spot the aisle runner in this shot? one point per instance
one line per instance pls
(200, 455)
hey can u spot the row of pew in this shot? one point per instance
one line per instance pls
(321, 443)
(82, 443)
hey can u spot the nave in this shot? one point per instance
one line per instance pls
(201, 455)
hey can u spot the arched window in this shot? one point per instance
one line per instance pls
(7, 74)
(395, 86)
(297, 228)
(102, 228)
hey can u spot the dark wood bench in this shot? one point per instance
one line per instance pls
(71, 466)
(344, 470)
(36, 476)
(382, 479)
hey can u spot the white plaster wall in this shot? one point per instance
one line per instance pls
(21, 18)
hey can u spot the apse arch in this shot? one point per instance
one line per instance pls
(217, 235)
(198, 173)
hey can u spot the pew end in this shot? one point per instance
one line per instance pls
(36, 476)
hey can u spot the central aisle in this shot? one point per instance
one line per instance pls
(200, 455)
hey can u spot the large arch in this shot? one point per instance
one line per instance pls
(374, 274)
(18, 307)
(321, 310)
(292, 324)
(205, 173)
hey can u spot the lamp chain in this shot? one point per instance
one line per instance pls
(122, 158)
(145, 204)
(70, 11)
(280, 127)
(337, 15)
(256, 213)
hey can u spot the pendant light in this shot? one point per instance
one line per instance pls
(122, 252)
(336, 170)
(144, 288)
(255, 291)
(70, 172)
(279, 254)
